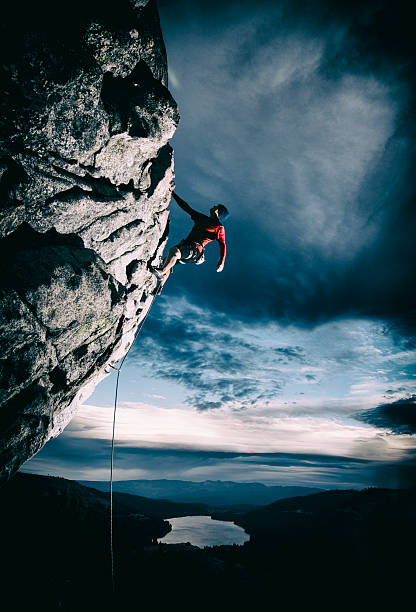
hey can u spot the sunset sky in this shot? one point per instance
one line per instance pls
(297, 364)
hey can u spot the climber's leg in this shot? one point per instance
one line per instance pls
(170, 260)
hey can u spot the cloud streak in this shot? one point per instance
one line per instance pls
(88, 458)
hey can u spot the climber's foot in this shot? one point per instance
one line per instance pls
(158, 289)
(158, 273)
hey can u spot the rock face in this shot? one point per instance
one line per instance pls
(86, 173)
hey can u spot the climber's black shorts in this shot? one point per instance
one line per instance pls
(189, 252)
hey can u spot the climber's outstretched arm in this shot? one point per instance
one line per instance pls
(184, 205)
(223, 249)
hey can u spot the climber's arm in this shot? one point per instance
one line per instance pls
(223, 249)
(184, 205)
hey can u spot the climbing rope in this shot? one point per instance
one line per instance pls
(139, 329)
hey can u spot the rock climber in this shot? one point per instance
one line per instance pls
(191, 249)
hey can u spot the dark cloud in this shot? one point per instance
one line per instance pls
(389, 393)
(311, 459)
(67, 453)
(213, 363)
(295, 352)
(396, 475)
(403, 330)
(322, 226)
(399, 416)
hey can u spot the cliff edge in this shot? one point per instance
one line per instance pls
(86, 172)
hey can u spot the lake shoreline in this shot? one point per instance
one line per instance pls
(202, 531)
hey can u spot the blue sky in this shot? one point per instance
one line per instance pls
(296, 365)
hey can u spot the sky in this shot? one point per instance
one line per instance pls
(297, 363)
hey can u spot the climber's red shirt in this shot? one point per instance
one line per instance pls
(205, 230)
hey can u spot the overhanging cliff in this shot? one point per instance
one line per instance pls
(86, 172)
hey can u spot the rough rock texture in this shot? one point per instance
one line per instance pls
(86, 173)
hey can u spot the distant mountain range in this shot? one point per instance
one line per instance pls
(215, 493)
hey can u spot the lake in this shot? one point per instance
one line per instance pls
(204, 531)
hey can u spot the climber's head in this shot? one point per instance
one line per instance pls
(220, 212)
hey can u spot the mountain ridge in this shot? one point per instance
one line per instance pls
(211, 492)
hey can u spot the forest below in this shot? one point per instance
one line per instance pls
(55, 545)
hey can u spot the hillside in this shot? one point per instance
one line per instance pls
(63, 491)
(353, 520)
(55, 541)
(50, 502)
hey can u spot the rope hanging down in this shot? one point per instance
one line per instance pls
(139, 329)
